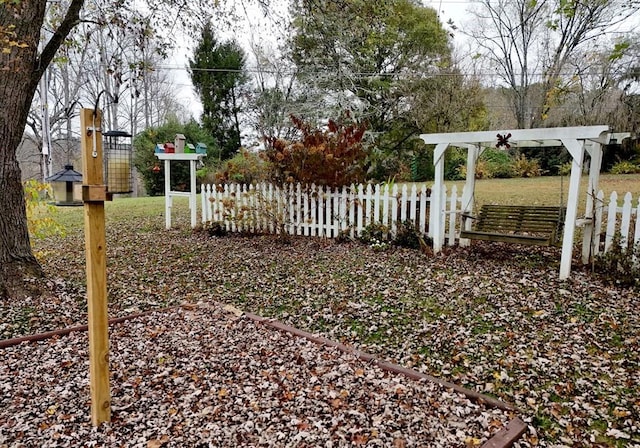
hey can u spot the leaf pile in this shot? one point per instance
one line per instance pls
(494, 318)
(200, 377)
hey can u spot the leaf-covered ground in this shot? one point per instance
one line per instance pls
(493, 318)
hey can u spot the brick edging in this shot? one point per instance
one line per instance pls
(65, 331)
(502, 439)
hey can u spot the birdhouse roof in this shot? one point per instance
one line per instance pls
(68, 174)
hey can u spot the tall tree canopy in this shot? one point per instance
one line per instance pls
(360, 52)
(217, 73)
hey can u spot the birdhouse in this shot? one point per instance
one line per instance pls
(179, 142)
(169, 148)
(118, 157)
(158, 149)
(67, 186)
(189, 148)
(201, 148)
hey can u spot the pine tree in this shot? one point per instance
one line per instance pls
(217, 71)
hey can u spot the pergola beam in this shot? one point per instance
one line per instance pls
(596, 133)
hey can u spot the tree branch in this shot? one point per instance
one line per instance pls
(71, 19)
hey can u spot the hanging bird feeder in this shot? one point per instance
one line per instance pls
(118, 157)
(67, 186)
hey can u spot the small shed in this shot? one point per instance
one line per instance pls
(67, 186)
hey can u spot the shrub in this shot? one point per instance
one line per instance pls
(145, 160)
(498, 163)
(483, 170)
(564, 169)
(373, 233)
(40, 214)
(625, 167)
(455, 160)
(408, 236)
(621, 264)
(523, 167)
(334, 156)
(246, 167)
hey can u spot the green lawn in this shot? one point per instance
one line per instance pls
(547, 190)
(538, 191)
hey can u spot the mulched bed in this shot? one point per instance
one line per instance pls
(203, 377)
(493, 318)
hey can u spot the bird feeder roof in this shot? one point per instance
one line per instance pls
(68, 174)
(116, 134)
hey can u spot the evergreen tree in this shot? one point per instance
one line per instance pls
(218, 76)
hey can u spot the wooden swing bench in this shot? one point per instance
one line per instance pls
(518, 224)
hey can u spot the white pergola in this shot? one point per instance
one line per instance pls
(576, 140)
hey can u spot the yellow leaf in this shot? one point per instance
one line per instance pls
(223, 392)
(472, 441)
(6, 50)
(618, 412)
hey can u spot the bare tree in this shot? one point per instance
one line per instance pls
(532, 42)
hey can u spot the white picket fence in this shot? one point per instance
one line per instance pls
(317, 210)
(323, 211)
(624, 219)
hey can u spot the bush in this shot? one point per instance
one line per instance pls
(455, 161)
(146, 162)
(40, 214)
(523, 167)
(621, 265)
(564, 169)
(625, 167)
(407, 236)
(483, 170)
(498, 163)
(246, 167)
(373, 233)
(334, 156)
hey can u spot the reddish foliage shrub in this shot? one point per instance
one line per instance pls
(333, 156)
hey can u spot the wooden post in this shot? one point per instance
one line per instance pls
(94, 194)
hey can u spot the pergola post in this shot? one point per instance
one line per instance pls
(576, 149)
(436, 230)
(473, 152)
(595, 151)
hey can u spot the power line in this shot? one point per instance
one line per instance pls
(332, 73)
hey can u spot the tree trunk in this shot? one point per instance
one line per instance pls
(20, 72)
(17, 88)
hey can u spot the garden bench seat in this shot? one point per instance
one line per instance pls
(518, 224)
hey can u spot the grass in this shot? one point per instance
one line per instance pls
(547, 190)
(537, 191)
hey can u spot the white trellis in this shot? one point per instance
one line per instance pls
(574, 139)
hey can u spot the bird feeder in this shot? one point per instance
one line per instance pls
(118, 157)
(169, 148)
(201, 148)
(179, 143)
(67, 186)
